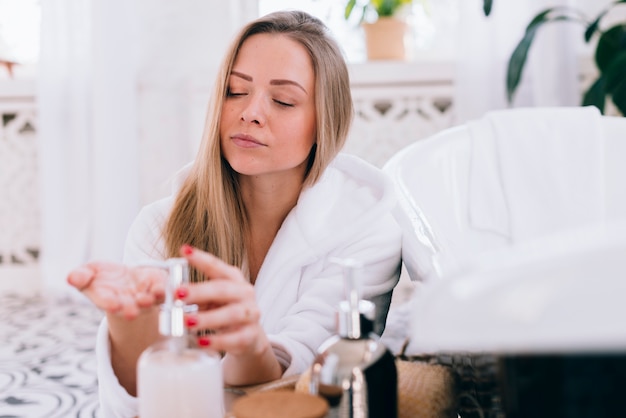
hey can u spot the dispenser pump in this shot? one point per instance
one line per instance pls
(353, 370)
(354, 316)
(174, 377)
(171, 315)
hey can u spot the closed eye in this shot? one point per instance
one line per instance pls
(283, 103)
(230, 93)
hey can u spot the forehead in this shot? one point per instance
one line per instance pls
(275, 56)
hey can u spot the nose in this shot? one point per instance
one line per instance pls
(254, 111)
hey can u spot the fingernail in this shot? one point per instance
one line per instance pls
(187, 249)
(191, 321)
(182, 292)
(204, 341)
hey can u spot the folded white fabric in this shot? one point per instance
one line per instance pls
(535, 171)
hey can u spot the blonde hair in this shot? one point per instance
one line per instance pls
(208, 212)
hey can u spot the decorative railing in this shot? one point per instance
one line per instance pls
(19, 186)
(397, 104)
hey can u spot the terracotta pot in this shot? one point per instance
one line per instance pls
(385, 39)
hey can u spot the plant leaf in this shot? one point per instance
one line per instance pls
(615, 74)
(619, 98)
(611, 44)
(540, 18)
(349, 7)
(363, 12)
(596, 94)
(517, 61)
(487, 5)
(593, 26)
(386, 7)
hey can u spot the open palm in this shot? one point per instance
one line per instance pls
(116, 288)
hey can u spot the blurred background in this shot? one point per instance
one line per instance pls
(103, 101)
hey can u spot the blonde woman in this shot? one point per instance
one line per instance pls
(258, 214)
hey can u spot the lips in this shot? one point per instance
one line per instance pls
(246, 141)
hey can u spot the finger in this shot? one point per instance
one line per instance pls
(130, 309)
(104, 298)
(209, 265)
(219, 292)
(240, 341)
(145, 300)
(230, 316)
(149, 282)
(81, 277)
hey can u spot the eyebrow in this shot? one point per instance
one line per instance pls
(275, 82)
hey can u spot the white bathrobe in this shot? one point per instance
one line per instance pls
(347, 214)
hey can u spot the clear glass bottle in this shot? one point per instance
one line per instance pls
(174, 377)
(353, 370)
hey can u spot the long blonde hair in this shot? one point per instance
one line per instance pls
(208, 212)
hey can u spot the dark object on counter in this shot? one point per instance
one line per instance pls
(560, 386)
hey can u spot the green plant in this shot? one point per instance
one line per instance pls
(390, 7)
(382, 8)
(609, 55)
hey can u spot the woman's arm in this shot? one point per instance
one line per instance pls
(128, 296)
(252, 368)
(128, 340)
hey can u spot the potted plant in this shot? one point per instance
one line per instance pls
(610, 55)
(384, 29)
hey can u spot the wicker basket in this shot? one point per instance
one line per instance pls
(475, 378)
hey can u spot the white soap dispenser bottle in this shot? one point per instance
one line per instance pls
(174, 377)
(353, 370)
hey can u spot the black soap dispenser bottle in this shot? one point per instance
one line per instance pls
(353, 370)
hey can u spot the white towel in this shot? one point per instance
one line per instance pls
(536, 171)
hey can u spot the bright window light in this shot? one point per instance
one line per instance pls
(19, 30)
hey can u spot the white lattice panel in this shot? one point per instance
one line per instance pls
(397, 103)
(389, 118)
(19, 201)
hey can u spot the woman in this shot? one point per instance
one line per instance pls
(267, 202)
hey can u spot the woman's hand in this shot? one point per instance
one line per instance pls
(226, 306)
(119, 289)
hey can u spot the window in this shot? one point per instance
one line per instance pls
(433, 25)
(330, 12)
(19, 34)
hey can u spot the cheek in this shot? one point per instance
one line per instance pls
(227, 113)
(312, 130)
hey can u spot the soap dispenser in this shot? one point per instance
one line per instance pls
(174, 377)
(353, 370)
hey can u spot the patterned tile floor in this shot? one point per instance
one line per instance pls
(47, 358)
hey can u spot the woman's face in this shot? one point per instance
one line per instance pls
(267, 125)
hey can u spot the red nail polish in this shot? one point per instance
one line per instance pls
(191, 321)
(182, 292)
(204, 341)
(187, 249)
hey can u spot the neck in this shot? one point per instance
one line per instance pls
(267, 203)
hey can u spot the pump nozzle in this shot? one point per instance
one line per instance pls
(171, 316)
(352, 307)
